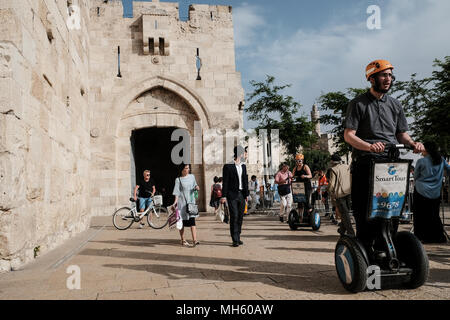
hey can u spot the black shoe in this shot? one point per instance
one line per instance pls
(240, 242)
(235, 244)
(281, 219)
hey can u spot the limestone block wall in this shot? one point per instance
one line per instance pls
(44, 128)
(214, 100)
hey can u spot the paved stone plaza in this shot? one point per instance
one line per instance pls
(274, 263)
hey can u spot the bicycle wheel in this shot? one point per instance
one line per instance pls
(158, 218)
(123, 218)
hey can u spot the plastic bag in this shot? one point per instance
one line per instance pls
(179, 224)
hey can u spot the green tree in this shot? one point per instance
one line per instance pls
(335, 105)
(274, 110)
(427, 101)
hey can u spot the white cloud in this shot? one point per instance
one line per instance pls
(413, 34)
(247, 21)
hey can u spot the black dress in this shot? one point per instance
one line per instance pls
(307, 182)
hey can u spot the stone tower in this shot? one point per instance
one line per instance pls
(315, 116)
(88, 99)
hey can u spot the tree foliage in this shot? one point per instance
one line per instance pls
(273, 110)
(335, 106)
(427, 101)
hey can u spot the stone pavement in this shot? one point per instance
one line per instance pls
(274, 263)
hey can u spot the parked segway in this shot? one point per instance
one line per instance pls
(400, 256)
(300, 217)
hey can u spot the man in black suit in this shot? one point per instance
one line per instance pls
(235, 192)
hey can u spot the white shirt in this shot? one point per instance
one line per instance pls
(253, 185)
(239, 171)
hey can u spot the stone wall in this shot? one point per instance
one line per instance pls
(213, 100)
(44, 128)
(66, 114)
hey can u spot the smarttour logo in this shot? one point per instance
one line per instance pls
(392, 170)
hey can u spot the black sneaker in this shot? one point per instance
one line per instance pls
(281, 219)
(240, 242)
(235, 244)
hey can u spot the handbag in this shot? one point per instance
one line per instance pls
(226, 213)
(173, 218)
(191, 208)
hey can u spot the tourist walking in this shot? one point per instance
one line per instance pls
(216, 194)
(235, 192)
(284, 179)
(185, 185)
(253, 188)
(339, 190)
(428, 176)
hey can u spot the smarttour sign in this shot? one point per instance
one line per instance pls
(389, 189)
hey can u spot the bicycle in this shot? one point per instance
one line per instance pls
(157, 215)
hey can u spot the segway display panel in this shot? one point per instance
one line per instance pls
(390, 182)
(298, 192)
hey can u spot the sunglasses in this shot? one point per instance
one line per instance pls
(387, 75)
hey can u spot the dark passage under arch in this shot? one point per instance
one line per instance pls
(152, 149)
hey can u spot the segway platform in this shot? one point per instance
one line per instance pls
(398, 258)
(300, 217)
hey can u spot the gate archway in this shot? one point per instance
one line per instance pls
(143, 140)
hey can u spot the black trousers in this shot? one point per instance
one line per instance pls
(366, 230)
(427, 223)
(236, 208)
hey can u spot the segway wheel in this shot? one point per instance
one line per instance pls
(411, 251)
(293, 219)
(350, 265)
(315, 220)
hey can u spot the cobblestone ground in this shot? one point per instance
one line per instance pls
(274, 263)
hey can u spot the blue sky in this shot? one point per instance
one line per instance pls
(324, 45)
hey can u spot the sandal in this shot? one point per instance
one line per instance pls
(185, 243)
(196, 243)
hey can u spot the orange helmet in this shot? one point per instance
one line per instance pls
(377, 66)
(299, 156)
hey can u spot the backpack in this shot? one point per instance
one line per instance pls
(217, 190)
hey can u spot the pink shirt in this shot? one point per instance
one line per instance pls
(283, 176)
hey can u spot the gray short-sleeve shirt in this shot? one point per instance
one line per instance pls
(375, 120)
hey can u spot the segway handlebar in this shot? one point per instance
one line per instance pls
(393, 150)
(398, 146)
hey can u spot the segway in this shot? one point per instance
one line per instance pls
(300, 217)
(396, 258)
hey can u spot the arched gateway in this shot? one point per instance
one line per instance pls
(149, 113)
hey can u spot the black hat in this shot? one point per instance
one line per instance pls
(336, 157)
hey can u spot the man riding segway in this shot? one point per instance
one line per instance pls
(373, 121)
